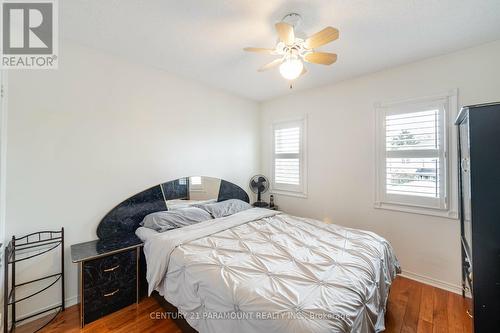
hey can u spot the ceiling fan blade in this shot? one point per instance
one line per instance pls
(322, 37)
(285, 33)
(259, 50)
(322, 58)
(270, 65)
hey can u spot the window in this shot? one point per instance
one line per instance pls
(196, 183)
(413, 164)
(288, 162)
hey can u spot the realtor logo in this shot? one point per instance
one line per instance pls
(29, 34)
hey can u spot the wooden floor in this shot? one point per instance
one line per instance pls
(417, 307)
(412, 307)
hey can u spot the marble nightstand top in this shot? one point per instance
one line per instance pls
(98, 248)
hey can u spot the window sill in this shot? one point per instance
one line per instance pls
(450, 214)
(290, 193)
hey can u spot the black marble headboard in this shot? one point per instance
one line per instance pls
(124, 219)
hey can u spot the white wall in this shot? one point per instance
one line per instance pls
(99, 129)
(341, 133)
(3, 155)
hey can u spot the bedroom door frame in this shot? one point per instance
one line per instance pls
(3, 164)
(3, 153)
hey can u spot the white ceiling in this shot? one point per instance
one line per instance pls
(203, 39)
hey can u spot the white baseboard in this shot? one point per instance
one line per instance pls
(69, 302)
(457, 289)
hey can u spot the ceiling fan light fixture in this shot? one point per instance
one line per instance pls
(293, 49)
(291, 68)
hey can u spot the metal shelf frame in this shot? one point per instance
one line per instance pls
(25, 248)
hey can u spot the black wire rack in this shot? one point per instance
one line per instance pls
(26, 248)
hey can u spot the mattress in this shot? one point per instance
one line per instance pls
(261, 270)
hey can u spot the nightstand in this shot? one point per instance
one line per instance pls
(108, 274)
(275, 207)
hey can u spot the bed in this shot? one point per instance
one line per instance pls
(262, 270)
(254, 270)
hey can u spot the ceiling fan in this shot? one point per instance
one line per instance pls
(293, 50)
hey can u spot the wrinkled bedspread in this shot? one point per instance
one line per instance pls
(262, 271)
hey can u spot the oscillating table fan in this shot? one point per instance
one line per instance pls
(259, 184)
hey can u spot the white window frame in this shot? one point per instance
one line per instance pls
(447, 205)
(286, 189)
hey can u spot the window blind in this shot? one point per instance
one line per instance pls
(413, 165)
(414, 168)
(287, 164)
(196, 180)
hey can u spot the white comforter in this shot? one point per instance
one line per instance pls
(262, 271)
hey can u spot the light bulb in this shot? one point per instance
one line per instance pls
(291, 68)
